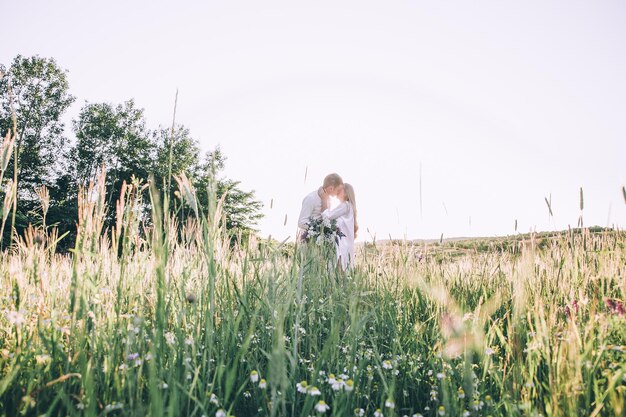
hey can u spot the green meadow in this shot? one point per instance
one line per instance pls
(165, 318)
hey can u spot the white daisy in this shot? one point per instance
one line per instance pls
(321, 406)
(302, 387)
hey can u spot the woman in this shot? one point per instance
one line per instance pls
(345, 214)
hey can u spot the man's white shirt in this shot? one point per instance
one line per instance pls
(311, 207)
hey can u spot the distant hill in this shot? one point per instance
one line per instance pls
(519, 236)
(456, 246)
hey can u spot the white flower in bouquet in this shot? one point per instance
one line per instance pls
(323, 231)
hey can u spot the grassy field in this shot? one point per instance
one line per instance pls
(176, 321)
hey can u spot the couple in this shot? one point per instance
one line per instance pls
(317, 205)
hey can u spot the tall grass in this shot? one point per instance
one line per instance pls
(164, 319)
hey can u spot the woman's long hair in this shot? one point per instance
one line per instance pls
(352, 200)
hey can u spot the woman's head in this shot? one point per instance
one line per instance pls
(347, 192)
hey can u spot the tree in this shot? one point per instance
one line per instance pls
(34, 93)
(114, 138)
(241, 209)
(38, 92)
(174, 154)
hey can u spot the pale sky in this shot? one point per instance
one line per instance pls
(494, 105)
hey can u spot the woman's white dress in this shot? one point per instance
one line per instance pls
(344, 214)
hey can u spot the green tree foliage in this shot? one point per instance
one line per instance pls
(113, 137)
(242, 211)
(37, 90)
(176, 152)
(34, 94)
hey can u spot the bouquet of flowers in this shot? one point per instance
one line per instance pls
(322, 231)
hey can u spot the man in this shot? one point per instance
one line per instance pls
(315, 202)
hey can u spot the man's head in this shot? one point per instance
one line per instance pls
(331, 185)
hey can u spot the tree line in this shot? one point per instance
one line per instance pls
(35, 94)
